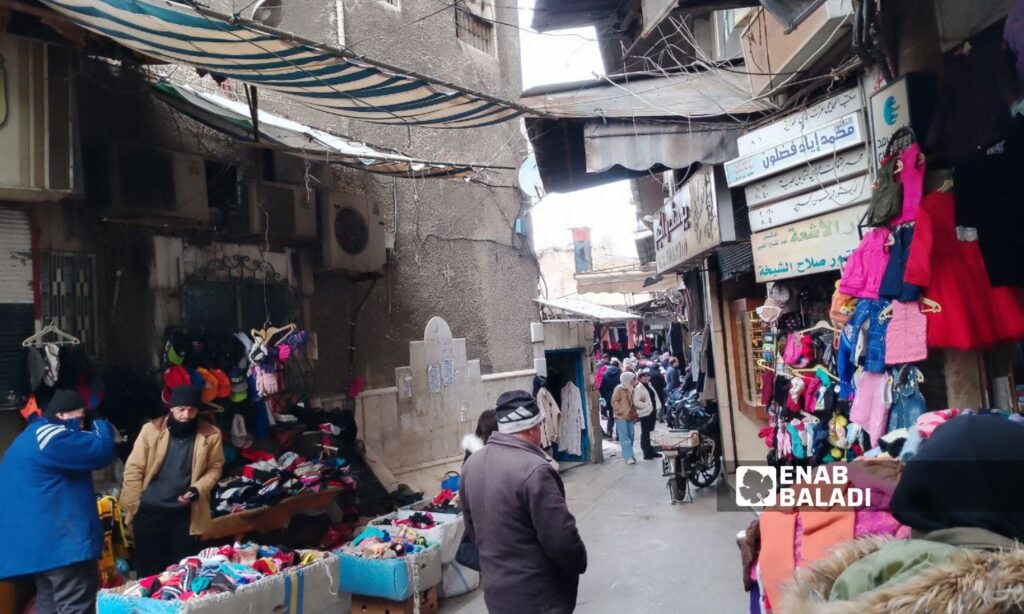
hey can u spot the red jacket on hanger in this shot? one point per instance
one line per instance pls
(974, 315)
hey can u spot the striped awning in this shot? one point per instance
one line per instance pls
(234, 119)
(325, 78)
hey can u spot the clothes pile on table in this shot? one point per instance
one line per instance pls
(446, 502)
(376, 543)
(268, 480)
(221, 570)
(419, 520)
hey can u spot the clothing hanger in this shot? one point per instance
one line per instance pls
(930, 306)
(815, 371)
(821, 325)
(63, 338)
(946, 186)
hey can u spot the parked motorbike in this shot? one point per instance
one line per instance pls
(696, 458)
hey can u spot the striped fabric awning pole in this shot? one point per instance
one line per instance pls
(325, 78)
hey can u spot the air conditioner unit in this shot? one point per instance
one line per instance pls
(484, 9)
(352, 235)
(290, 209)
(38, 125)
(134, 181)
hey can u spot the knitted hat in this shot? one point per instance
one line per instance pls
(223, 383)
(517, 411)
(64, 400)
(185, 396)
(209, 391)
(239, 386)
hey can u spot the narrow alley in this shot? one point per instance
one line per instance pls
(639, 545)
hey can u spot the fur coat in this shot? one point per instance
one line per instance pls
(972, 580)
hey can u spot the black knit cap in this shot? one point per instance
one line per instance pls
(517, 411)
(64, 400)
(185, 396)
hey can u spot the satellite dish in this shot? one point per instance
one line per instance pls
(529, 178)
(268, 12)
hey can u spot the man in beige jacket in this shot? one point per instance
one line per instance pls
(175, 464)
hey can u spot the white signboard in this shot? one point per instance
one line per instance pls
(798, 124)
(814, 176)
(836, 196)
(827, 140)
(890, 111)
(696, 220)
(811, 246)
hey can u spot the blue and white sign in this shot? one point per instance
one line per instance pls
(890, 111)
(827, 140)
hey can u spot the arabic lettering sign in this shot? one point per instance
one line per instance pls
(696, 220)
(827, 140)
(798, 124)
(810, 246)
(836, 196)
(808, 177)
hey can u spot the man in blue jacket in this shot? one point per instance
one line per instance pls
(49, 526)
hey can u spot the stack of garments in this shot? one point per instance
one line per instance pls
(446, 502)
(221, 570)
(419, 520)
(375, 543)
(268, 480)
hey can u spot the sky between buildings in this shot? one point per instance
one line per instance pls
(572, 55)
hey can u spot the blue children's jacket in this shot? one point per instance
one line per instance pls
(49, 518)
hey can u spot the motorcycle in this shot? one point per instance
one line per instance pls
(696, 456)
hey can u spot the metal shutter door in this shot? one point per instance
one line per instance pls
(16, 298)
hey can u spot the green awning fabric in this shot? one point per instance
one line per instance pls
(233, 118)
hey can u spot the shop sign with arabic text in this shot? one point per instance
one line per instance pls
(827, 140)
(820, 244)
(696, 220)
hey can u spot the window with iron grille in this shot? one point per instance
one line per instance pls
(68, 292)
(474, 31)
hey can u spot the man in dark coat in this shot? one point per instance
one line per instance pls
(609, 382)
(513, 503)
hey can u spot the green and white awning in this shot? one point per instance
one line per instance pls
(325, 78)
(234, 119)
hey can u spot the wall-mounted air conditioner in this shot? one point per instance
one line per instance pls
(290, 209)
(130, 180)
(352, 235)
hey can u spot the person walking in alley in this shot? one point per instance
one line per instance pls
(49, 525)
(609, 381)
(513, 503)
(648, 406)
(625, 413)
(673, 378)
(173, 467)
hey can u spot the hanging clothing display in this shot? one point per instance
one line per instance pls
(863, 274)
(973, 111)
(550, 428)
(907, 334)
(974, 315)
(570, 437)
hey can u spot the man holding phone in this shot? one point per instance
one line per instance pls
(173, 467)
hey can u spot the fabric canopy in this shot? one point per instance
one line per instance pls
(321, 77)
(233, 118)
(586, 310)
(643, 146)
(711, 93)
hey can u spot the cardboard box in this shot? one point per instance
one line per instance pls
(373, 605)
(447, 533)
(307, 590)
(389, 578)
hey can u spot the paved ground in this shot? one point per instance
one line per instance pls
(646, 555)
